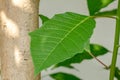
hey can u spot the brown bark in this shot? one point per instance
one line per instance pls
(17, 19)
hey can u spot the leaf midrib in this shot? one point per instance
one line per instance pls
(64, 38)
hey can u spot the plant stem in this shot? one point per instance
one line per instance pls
(116, 43)
(98, 60)
(104, 17)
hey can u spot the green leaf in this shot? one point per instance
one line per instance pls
(117, 73)
(107, 13)
(59, 39)
(64, 76)
(97, 5)
(44, 18)
(96, 50)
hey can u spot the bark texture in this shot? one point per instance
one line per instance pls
(17, 19)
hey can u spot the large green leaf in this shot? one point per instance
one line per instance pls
(63, 76)
(96, 50)
(60, 38)
(96, 5)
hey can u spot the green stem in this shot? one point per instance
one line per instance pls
(104, 17)
(106, 67)
(116, 43)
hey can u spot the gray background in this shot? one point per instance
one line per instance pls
(103, 34)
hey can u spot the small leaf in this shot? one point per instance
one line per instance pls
(117, 73)
(97, 5)
(64, 76)
(59, 39)
(95, 49)
(44, 18)
(107, 13)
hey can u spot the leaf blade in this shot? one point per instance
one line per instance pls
(60, 38)
(117, 73)
(97, 5)
(43, 18)
(96, 50)
(64, 76)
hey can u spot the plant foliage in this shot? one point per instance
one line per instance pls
(64, 76)
(65, 39)
(96, 5)
(96, 50)
(43, 18)
(60, 38)
(117, 73)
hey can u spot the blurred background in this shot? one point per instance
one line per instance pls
(103, 34)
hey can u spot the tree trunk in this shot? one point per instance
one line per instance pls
(17, 19)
